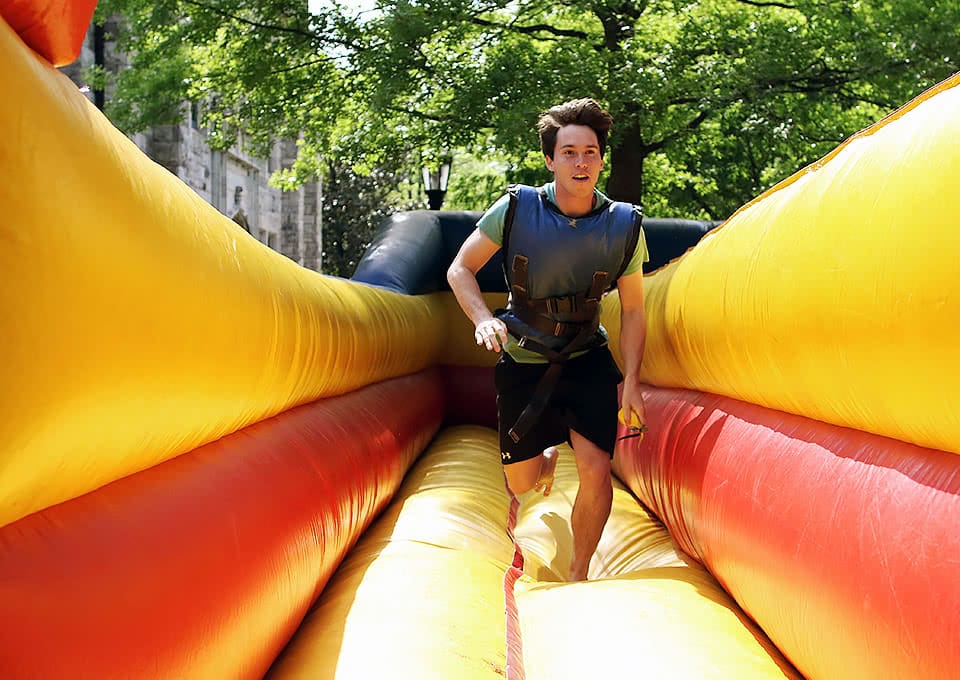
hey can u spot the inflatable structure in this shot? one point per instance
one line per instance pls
(217, 464)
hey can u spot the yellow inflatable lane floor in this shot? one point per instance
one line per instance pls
(631, 540)
(422, 593)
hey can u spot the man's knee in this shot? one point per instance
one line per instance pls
(593, 465)
(519, 485)
(522, 476)
(596, 471)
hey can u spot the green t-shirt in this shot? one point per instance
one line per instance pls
(491, 224)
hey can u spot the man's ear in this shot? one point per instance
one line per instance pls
(549, 163)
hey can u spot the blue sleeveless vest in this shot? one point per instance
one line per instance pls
(562, 256)
(564, 252)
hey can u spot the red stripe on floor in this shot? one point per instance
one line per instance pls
(514, 643)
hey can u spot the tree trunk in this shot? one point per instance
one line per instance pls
(626, 168)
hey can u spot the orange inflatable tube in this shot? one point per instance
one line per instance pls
(203, 566)
(54, 29)
(804, 522)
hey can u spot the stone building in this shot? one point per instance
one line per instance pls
(233, 182)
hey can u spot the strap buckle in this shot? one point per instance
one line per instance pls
(562, 305)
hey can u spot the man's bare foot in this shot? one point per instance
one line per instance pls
(577, 575)
(547, 469)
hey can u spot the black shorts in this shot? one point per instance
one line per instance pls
(584, 400)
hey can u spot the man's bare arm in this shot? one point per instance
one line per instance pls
(633, 338)
(462, 277)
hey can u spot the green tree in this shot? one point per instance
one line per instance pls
(713, 100)
(357, 204)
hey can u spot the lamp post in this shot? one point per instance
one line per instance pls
(435, 182)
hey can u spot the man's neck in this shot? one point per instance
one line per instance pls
(574, 206)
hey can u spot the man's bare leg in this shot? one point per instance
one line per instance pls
(591, 509)
(534, 473)
(548, 468)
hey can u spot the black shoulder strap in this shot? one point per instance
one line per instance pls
(513, 191)
(632, 241)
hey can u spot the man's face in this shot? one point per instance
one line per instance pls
(576, 162)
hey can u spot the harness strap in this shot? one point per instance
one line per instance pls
(513, 191)
(538, 402)
(598, 286)
(547, 325)
(574, 307)
(579, 308)
(588, 304)
(519, 287)
(548, 382)
(562, 305)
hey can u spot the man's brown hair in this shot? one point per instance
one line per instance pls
(584, 111)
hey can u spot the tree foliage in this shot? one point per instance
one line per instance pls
(358, 204)
(713, 100)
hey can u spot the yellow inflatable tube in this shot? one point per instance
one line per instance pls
(834, 294)
(141, 323)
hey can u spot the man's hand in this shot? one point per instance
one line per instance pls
(475, 252)
(492, 334)
(633, 414)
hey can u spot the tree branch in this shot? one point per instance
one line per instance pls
(309, 35)
(304, 64)
(217, 78)
(419, 114)
(531, 29)
(250, 22)
(856, 98)
(691, 125)
(760, 3)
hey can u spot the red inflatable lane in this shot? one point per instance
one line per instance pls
(54, 29)
(843, 546)
(205, 565)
